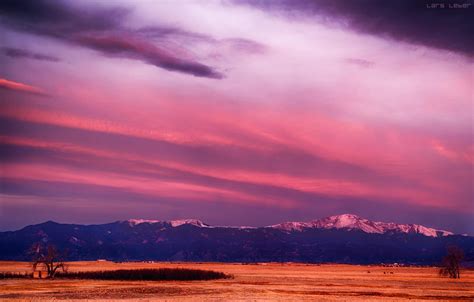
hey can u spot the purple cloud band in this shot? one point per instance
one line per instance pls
(446, 24)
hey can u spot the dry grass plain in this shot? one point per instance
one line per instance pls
(263, 282)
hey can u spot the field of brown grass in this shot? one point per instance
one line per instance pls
(262, 282)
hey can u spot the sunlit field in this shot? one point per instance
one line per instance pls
(254, 282)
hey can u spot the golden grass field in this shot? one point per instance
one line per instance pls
(262, 282)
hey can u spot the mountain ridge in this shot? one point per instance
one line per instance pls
(343, 238)
(342, 221)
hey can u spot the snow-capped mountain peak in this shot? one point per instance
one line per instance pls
(343, 221)
(351, 221)
(195, 222)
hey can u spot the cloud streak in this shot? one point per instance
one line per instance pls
(297, 169)
(252, 186)
(21, 87)
(23, 53)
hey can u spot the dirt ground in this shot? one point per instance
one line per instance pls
(256, 282)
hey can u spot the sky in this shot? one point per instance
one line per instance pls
(236, 112)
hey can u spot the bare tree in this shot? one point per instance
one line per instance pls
(48, 258)
(450, 264)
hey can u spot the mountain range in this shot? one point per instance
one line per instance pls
(343, 238)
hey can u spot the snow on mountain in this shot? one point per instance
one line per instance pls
(351, 221)
(173, 223)
(344, 221)
(194, 222)
(134, 222)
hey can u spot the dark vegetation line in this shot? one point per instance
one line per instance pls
(161, 274)
(18, 275)
(147, 274)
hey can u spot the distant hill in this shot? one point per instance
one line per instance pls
(344, 239)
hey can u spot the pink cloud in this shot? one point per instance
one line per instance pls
(20, 87)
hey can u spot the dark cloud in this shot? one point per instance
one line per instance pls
(100, 29)
(421, 22)
(56, 18)
(131, 47)
(23, 53)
